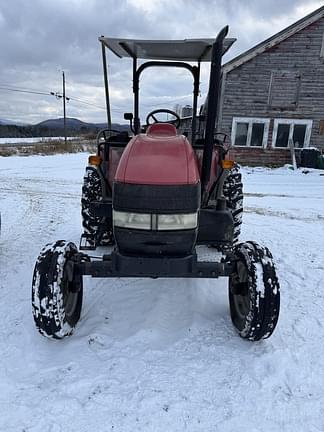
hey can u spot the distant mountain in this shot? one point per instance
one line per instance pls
(55, 127)
(11, 122)
(71, 123)
(76, 125)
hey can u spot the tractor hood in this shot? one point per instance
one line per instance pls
(159, 157)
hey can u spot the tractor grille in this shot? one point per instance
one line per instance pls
(156, 198)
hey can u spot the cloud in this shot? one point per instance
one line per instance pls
(39, 39)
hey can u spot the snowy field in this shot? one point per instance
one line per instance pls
(12, 141)
(161, 355)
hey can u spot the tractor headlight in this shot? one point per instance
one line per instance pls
(160, 222)
(177, 221)
(132, 220)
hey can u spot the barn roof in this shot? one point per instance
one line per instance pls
(274, 40)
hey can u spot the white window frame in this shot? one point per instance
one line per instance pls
(292, 123)
(250, 121)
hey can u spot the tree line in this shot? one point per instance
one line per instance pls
(29, 131)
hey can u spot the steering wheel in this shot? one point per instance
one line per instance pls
(224, 136)
(176, 122)
(104, 132)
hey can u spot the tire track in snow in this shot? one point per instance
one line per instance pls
(263, 195)
(36, 219)
(34, 187)
(34, 192)
(281, 214)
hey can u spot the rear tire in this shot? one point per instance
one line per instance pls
(56, 304)
(233, 193)
(254, 292)
(93, 229)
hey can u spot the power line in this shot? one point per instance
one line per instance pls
(12, 86)
(118, 110)
(86, 103)
(97, 106)
(167, 102)
(24, 91)
(57, 94)
(34, 91)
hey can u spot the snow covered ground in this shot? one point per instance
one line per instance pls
(11, 141)
(161, 355)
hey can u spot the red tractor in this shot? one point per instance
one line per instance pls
(154, 197)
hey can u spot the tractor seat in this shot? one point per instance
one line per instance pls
(161, 129)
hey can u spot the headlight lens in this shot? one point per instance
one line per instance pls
(160, 222)
(177, 221)
(132, 220)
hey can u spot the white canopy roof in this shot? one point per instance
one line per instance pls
(176, 50)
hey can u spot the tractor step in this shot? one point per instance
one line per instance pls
(87, 242)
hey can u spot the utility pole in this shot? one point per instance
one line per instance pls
(58, 95)
(64, 111)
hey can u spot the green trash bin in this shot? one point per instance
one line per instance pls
(320, 162)
(309, 157)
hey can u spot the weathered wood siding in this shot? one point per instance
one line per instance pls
(246, 89)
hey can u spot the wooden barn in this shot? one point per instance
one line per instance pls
(274, 93)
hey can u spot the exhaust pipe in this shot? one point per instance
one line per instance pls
(212, 110)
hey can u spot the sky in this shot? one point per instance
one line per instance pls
(41, 38)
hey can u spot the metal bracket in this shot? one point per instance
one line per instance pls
(118, 265)
(87, 242)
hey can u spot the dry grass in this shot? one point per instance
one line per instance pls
(48, 148)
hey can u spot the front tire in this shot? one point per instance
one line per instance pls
(56, 301)
(254, 292)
